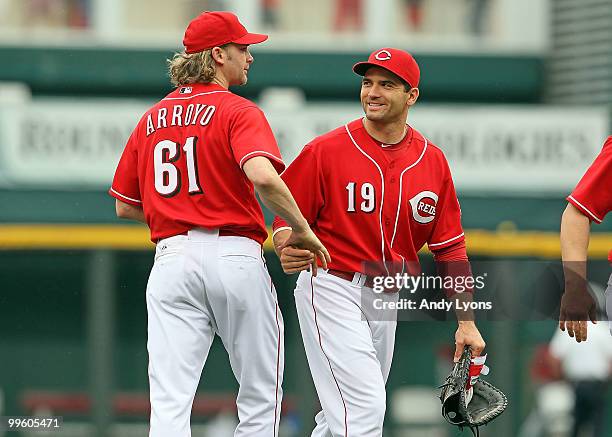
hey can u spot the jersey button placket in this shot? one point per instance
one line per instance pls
(390, 174)
(391, 178)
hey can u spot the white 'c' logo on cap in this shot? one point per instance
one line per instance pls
(383, 55)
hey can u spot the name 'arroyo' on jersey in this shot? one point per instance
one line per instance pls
(189, 115)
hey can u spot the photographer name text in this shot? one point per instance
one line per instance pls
(425, 304)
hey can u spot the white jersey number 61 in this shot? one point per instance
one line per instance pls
(167, 176)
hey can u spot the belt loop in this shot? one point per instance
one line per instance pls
(202, 234)
(359, 279)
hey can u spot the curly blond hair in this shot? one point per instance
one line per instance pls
(187, 68)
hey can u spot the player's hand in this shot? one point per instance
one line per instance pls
(307, 240)
(577, 306)
(279, 239)
(468, 335)
(294, 260)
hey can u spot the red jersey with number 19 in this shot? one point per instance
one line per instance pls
(367, 204)
(183, 163)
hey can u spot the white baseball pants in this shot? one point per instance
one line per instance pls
(349, 349)
(202, 284)
(609, 303)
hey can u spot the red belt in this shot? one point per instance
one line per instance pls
(228, 233)
(369, 280)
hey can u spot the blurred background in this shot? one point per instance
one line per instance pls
(517, 94)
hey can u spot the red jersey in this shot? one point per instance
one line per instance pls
(368, 205)
(183, 163)
(593, 194)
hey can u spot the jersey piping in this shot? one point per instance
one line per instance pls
(195, 95)
(597, 219)
(258, 153)
(125, 197)
(382, 201)
(282, 228)
(447, 241)
(399, 200)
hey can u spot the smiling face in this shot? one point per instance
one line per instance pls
(384, 97)
(237, 63)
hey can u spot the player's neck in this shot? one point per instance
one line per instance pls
(220, 80)
(387, 133)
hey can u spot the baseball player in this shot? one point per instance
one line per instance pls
(389, 191)
(590, 201)
(189, 170)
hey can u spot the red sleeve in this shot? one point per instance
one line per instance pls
(454, 252)
(251, 136)
(279, 224)
(307, 191)
(452, 263)
(125, 185)
(593, 194)
(447, 229)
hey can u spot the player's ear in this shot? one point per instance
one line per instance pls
(218, 55)
(413, 96)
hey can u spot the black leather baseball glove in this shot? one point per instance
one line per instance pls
(468, 401)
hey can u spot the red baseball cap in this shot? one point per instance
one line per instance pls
(397, 61)
(213, 29)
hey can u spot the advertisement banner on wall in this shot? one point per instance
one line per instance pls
(490, 148)
(72, 144)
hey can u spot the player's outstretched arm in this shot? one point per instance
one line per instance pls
(127, 211)
(277, 197)
(575, 230)
(577, 305)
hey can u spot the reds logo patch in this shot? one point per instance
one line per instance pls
(424, 206)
